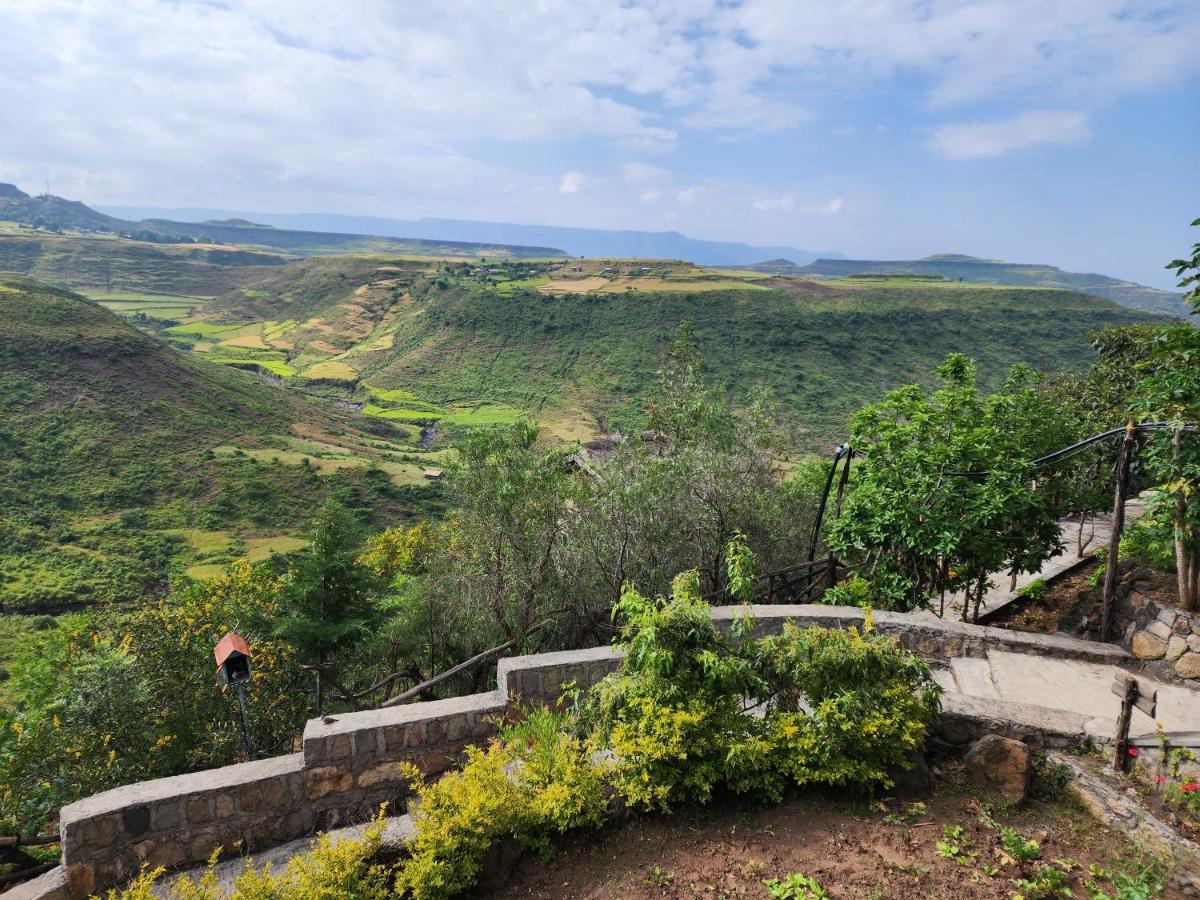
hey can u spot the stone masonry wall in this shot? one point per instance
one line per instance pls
(1165, 638)
(350, 762)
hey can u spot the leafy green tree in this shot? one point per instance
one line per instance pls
(1170, 392)
(511, 500)
(329, 603)
(920, 528)
(1188, 272)
(121, 695)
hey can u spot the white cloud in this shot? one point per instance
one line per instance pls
(1040, 127)
(650, 196)
(644, 173)
(689, 195)
(377, 106)
(782, 203)
(571, 183)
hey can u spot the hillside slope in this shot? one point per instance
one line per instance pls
(107, 466)
(113, 265)
(584, 344)
(956, 267)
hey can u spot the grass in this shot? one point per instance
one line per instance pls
(483, 414)
(274, 366)
(333, 368)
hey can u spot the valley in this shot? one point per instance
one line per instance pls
(271, 379)
(127, 464)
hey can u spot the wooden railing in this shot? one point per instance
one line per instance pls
(802, 583)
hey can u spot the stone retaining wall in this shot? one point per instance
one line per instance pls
(351, 761)
(1165, 638)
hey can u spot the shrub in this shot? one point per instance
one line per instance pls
(870, 703)
(1035, 590)
(675, 714)
(341, 869)
(535, 781)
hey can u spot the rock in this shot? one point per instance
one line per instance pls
(1137, 598)
(1167, 616)
(1148, 646)
(1183, 625)
(913, 781)
(1001, 765)
(1188, 665)
(1194, 642)
(1176, 647)
(1159, 629)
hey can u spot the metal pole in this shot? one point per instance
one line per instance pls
(816, 533)
(1118, 525)
(241, 693)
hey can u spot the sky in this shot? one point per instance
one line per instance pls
(1058, 131)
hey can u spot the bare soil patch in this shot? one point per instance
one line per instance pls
(884, 849)
(1045, 616)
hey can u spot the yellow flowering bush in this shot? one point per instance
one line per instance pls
(535, 781)
(332, 870)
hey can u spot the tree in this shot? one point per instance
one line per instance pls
(1188, 273)
(120, 695)
(511, 500)
(329, 602)
(915, 523)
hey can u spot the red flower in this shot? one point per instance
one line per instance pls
(1161, 779)
(1191, 786)
(1133, 751)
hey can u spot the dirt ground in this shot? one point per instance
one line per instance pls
(855, 849)
(1044, 615)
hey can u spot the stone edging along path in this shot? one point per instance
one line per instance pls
(350, 763)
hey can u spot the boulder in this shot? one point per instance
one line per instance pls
(1188, 665)
(1183, 625)
(1159, 629)
(1001, 766)
(1148, 646)
(1176, 647)
(914, 780)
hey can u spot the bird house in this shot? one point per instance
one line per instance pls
(233, 659)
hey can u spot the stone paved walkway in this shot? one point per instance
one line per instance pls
(1075, 686)
(1001, 594)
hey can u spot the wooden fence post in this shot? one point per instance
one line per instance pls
(1129, 690)
(1118, 526)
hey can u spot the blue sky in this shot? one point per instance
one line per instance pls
(1060, 131)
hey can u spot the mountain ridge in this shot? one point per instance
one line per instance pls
(52, 213)
(975, 270)
(577, 241)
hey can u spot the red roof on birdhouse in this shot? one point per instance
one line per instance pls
(231, 643)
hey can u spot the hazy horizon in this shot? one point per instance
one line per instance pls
(1060, 133)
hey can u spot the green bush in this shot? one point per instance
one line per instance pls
(674, 714)
(535, 781)
(1034, 591)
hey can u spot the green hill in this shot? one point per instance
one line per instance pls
(114, 265)
(123, 461)
(957, 267)
(579, 343)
